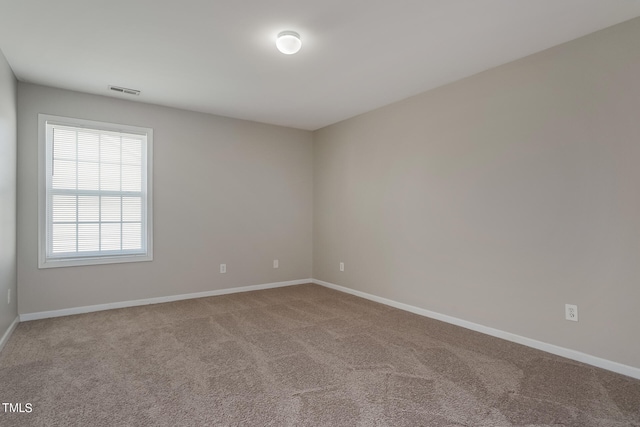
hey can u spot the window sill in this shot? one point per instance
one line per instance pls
(77, 262)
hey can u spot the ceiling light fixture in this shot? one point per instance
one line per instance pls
(288, 42)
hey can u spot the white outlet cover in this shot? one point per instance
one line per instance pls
(223, 268)
(342, 266)
(275, 263)
(571, 312)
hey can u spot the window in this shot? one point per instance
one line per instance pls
(95, 192)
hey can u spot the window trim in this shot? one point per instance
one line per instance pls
(43, 261)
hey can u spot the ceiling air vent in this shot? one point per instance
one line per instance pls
(124, 90)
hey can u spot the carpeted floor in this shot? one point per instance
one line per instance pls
(295, 356)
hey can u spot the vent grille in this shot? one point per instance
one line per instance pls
(125, 90)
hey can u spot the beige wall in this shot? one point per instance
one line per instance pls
(499, 198)
(8, 149)
(225, 191)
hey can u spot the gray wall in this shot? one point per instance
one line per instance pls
(8, 150)
(499, 198)
(225, 191)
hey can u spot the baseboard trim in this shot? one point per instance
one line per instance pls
(8, 333)
(549, 348)
(123, 304)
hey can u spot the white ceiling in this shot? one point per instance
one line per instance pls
(219, 56)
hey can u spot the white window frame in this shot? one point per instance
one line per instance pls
(44, 172)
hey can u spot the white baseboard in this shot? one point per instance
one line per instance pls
(549, 348)
(100, 307)
(8, 333)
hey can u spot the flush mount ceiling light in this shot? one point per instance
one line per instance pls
(288, 42)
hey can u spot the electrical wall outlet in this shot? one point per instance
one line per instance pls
(8, 296)
(571, 312)
(275, 263)
(342, 266)
(223, 268)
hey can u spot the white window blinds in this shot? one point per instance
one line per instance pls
(96, 193)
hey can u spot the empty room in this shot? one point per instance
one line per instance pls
(355, 213)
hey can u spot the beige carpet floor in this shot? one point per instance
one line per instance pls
(295, 356)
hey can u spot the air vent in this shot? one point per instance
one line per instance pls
(124, 90)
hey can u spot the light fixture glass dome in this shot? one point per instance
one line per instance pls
(288, 42)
